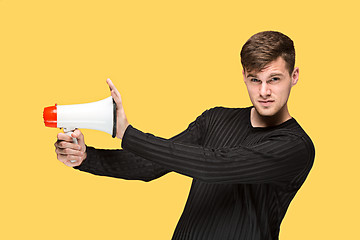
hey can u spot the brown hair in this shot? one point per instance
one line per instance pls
(265, 47)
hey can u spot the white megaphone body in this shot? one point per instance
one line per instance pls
(100, 115)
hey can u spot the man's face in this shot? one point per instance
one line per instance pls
(269, 89)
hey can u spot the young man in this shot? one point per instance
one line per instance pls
(246, 163)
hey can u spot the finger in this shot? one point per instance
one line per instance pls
(62, 158)
(111, 84)
(113, 89)
(69, 151)
(77, 134)
(72, 163)
(64, 137)
(64, 144)
(69, 159)
(117, 99)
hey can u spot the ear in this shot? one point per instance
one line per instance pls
(243, 73)
(295, 76)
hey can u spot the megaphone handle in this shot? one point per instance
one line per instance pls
(69, 132)
(74, 139)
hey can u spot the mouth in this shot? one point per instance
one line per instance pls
(266, 103)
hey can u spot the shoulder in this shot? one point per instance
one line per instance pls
(297, 130)
(224, 115)
(225, 112)
(293, 132)
(228, 109)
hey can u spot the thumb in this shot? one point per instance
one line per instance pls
(80, 138)
(77, 134)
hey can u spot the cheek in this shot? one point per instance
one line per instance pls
(251, 88)
(252, 92)
(283, 92)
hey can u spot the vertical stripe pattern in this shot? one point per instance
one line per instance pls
(244, 178)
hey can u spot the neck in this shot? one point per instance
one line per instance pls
(258, 120)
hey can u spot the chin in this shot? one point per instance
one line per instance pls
(265, 112)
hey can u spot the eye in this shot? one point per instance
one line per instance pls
(254, 80)
(274, 79)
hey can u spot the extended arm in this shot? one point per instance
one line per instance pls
(281, 157)
(127, 165)
(120, 164)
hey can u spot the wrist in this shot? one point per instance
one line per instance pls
(122, 130)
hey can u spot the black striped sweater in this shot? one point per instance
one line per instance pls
(244, 177)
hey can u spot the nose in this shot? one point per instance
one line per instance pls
(265, 90)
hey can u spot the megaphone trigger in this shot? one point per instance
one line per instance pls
(69, 133)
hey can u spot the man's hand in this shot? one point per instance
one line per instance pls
(69, 153)
(122, 122)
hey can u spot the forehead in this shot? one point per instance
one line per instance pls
(276, 67)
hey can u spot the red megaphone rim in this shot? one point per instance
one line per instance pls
(50, 116)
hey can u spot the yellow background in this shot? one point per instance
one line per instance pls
(171, 60)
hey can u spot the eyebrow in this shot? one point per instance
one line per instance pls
(271, 75)
(276, 74)
(250, 75)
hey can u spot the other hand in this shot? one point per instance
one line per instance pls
(69, 153)
(122, 122)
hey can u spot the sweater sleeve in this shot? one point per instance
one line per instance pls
(124, 164)
(281, 157)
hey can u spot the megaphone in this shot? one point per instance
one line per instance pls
(100, 115)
